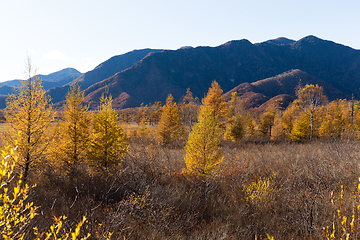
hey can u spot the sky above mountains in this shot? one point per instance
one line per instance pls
(82, 34)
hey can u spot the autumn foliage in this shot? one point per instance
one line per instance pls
(214, 170)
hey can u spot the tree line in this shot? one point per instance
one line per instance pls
(96, 140)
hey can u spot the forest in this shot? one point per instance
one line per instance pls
(193, 169)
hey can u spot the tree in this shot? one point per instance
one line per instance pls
(142, 113)
(155, 113)
(310, 98)
(333, 124)
(288, 119)
(216, 102)
(29, 115)
(75, 129)
(301, 130)
(203, 154)
(108, 142)
(267, 120)
(237, 128)
(170, 122)
(125, 115)
(189, 109)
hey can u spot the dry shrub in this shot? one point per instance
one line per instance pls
(149, 197)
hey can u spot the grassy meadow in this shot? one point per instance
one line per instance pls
(281, 189)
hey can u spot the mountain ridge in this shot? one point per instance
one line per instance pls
(232, 63)
(154, 74)
(104, 70)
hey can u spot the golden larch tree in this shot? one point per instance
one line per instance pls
(108, 142)
(333, 123)
(203, 154)
(310, 98)
(74, 129)
(169, 126)
(267, 120)
(189, 109)
(216, 102)
(29, 115)
(301, 129)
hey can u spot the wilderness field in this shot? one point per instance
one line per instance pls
(286, 190)
(188, 170)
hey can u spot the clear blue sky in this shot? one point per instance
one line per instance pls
(82, 34)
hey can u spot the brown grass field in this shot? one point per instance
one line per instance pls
(281, 189)
(286, 190)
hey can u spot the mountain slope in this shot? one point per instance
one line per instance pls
(51, 80)
(104, 70)
(282, 86)
(231, 64)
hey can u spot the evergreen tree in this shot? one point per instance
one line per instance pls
(108, 142)
(29, 115)
(170, 122)
(75, 128)
(203, 154)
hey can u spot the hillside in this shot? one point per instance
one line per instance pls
(232, 64)
(51, 80)
(148, 75)
(102, 71)
(281, 87)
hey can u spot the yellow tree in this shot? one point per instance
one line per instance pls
(189, 109)
(267, 120)
(108, 142)
(155, 113)
(170, 122)
(288, 119)
(29, 115)
(142, 113)
(216, 102)
(203, 154)
(236, 128)
(301, 129)
(333, 124)
(75, 127)
(310, 98)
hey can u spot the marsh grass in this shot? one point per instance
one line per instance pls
(286, 190)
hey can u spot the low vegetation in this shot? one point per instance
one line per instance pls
(180, 171)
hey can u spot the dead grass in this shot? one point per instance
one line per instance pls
(149, 196)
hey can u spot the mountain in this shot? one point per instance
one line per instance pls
(231, 64)
(146, 76)
(104, 70)
(55, 79)
(281, 40)
(279, 88)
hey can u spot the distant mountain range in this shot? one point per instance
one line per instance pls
(104, 70)
(232, 64)
(261, 72)
(55, 79)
